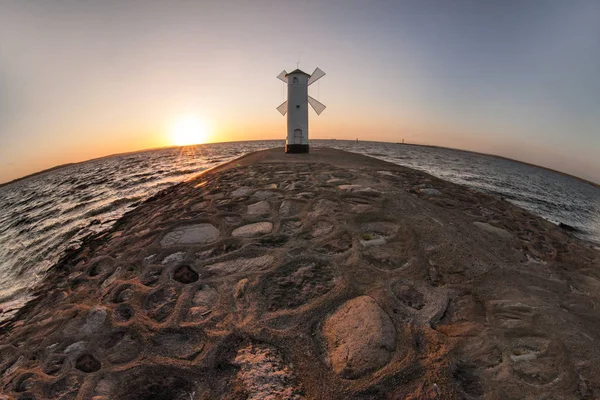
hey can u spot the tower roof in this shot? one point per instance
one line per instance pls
(297, 71)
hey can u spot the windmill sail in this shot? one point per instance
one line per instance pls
(283, 108)
(318, 107)
(316, 75)
(282, 76)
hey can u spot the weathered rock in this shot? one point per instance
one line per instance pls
(200, 206)
(359, 337)
(262, 207)
(113, 277)
(430, 192)
(173, 258)
(290, 227)
(202, 303)
(379, 229)
(160, 303)
(241, 192)
(94, 320)
(205, 296)
(264, 194)
(337, 245)
(179, 343)
(357, 189)
(297, 283)
(149, 382)
(409, 295)
(373, 242)
(75, 347)
(251, 230)
(191, 234)
(324, 207)
(122, 294)
(241, 265)
(305, 195)
(290, 207)
(350, 188)
(503, 233)
(122, 347)
(322, 228)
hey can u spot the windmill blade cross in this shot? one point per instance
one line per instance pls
(316, 75)
(316, 105)
(282, 76)
(283, 108)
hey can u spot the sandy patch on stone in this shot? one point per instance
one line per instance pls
(264, 374)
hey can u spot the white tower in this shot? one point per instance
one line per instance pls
(296, 107)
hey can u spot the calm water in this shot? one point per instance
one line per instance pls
(42, 216)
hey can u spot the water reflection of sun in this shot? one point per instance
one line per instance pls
(189, 130)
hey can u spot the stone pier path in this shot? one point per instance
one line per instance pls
(327, 275)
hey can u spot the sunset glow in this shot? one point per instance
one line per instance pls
(189, 130)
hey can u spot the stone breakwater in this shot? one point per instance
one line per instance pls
(327, 275)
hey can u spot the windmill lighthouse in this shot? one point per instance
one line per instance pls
(296, 107)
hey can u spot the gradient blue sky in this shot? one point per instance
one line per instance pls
(82, 79)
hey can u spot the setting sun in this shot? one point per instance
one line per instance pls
(189, 130)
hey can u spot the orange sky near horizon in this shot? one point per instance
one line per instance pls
(141, 137)
(95, 146)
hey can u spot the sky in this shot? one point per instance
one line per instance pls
(83, 79)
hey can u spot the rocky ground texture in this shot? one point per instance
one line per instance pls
(326, 275)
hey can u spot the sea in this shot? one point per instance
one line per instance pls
(43, 216)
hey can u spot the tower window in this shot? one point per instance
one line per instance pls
(298, 106)
(294, 80)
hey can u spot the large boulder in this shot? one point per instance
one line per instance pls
(191, 234)
(359, 337)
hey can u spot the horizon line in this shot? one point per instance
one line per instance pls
(56, 167)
